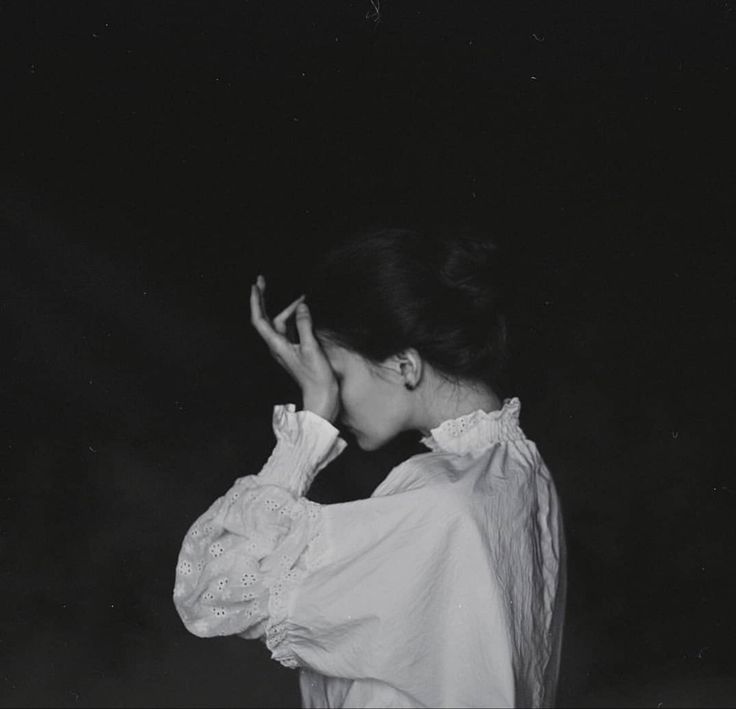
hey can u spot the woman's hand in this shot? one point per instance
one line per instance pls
(305, 361)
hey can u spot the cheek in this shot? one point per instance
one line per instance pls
(356, 396)
(373, 408)
(348, 395)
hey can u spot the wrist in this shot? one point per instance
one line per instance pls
(325, 406)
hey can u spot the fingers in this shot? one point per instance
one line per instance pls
(259, 320)
(304, 327)
(273, 333)
(261, 288)
(260, 302)
(279, 322)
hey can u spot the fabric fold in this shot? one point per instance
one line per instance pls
(305, 444)
(474, 432)
(445, 588)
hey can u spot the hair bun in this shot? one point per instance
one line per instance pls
(470, 265)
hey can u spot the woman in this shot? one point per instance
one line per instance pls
(445, 588)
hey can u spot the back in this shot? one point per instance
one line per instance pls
(507, 498)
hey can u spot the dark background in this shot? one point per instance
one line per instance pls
(156, 156)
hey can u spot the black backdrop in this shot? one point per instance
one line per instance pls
(157, 155)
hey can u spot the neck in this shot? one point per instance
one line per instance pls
(464, 399)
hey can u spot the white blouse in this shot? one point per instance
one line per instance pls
(445, 588)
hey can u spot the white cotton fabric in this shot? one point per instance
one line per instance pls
(445, 588)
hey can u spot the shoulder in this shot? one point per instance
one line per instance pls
(420, 492)
(439, 481)
(425, 470)
(504, 475)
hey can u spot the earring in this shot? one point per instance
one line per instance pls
(410, 387)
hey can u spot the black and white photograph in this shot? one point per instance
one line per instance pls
(368, 353)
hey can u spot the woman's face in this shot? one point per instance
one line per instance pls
(372, 406)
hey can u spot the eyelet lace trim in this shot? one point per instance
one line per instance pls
(293, 570)
(477, 431)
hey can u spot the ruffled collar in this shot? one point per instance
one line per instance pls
(477, 431)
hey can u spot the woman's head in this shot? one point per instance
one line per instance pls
(394, 305)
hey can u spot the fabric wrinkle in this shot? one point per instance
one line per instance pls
(446, 587)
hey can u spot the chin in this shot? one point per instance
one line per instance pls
(368, 444)
(360, 440)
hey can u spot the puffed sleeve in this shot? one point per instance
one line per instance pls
(240, 556)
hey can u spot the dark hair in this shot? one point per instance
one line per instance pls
(440, 292)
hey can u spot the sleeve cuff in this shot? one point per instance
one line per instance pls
(305, 444)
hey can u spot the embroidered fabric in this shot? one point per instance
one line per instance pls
(477, 431)
(242, 559)
(310, 581)
(293, 571)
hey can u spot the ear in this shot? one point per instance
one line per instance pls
(409, 365)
